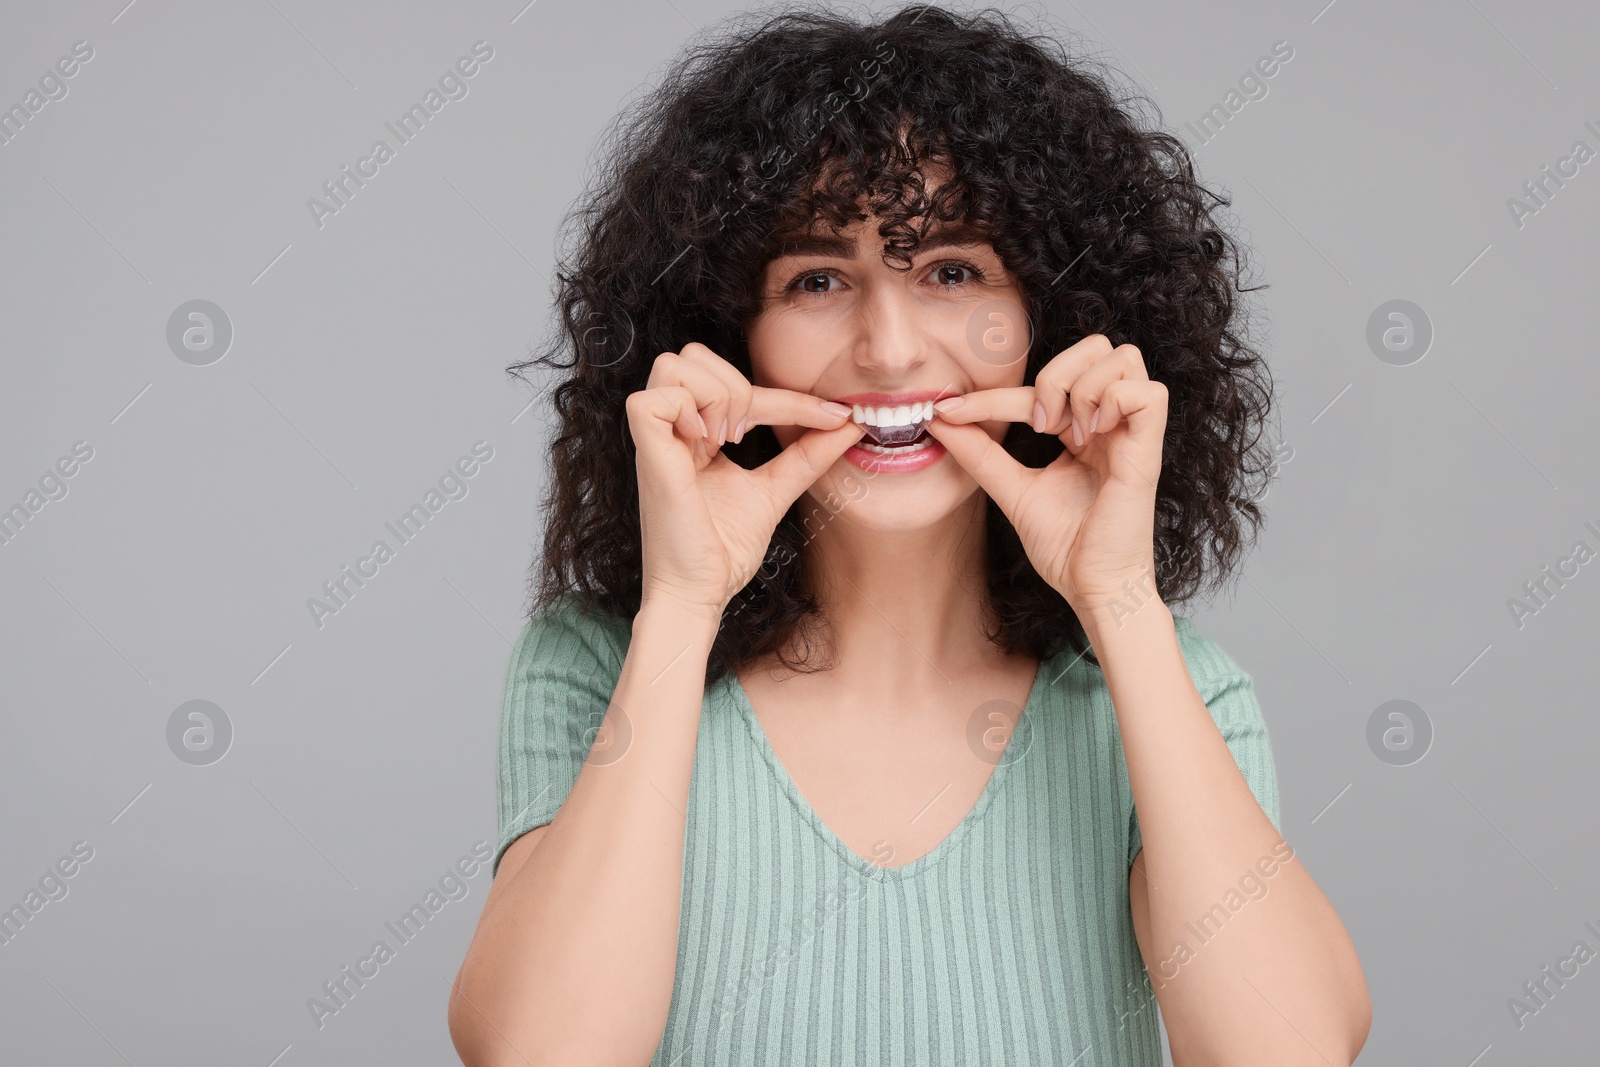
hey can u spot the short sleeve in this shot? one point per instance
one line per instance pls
(562, 673)
(1229, 693)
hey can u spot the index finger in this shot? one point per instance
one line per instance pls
(1007, 404)
(786, 407)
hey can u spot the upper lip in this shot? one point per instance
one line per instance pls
(914, 396)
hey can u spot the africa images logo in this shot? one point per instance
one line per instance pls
(452, 86)
(453, 484)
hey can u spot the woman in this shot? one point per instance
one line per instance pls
(852, 723)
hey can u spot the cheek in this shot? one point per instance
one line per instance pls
(994, 342)
(786, 352)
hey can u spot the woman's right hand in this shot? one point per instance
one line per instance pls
(706, 521)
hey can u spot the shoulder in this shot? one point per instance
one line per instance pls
(1229, 694)
(567, 630)
(562, 668)
(1228, 690)
(1210, 665)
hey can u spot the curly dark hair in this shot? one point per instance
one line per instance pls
(774, 120)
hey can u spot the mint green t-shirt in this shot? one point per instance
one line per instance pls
(1011, 943)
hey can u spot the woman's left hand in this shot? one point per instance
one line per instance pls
(1086, 520)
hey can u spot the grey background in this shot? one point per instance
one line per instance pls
(368, 357)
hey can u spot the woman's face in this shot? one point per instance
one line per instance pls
(838, 322)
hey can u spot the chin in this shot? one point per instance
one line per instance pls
(892, 503)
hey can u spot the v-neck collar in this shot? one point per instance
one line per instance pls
(1045, 677)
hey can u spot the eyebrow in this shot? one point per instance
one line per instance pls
(949, 236)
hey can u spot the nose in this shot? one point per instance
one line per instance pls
(891, 333)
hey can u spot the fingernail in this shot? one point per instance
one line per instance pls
(1038, 415)
(1094, 419)
(738, 432)
(833, 407)
(949, 403)
(704, 432)
(1077, 433)
(722, 432)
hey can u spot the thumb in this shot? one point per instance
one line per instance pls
(797, 468)
(991, 466)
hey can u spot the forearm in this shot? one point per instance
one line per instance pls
(575, 964)
(1280, 982)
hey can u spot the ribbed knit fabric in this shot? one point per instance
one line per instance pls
(1011, 943)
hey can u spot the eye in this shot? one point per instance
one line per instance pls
(948, 275)
(812, 283)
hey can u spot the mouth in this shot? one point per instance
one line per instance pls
(894, 428)
(894, 424)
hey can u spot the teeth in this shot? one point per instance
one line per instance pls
(904, 415)
(894, 425)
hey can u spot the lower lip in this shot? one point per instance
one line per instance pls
(905, 463)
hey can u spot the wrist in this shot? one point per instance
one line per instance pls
(679, 616)
(1108, 605)
(1115, 620)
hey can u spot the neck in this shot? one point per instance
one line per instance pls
(913, 602)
